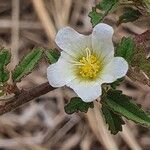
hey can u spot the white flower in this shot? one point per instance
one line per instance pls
(86, 61)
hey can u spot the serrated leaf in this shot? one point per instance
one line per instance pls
(113, 120)
(95, 16)
(4, 76)
(129, 15)
(52, 55)
(101, 10)
(5, 57)
(76, 104)
(147, 3)
(126, 49)
(107, 5)
(27, 64)
(124, 105)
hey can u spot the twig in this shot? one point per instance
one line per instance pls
(15, 32)
(45, 19)
(23, 24)
(24, 97)
(99, 128)
(130, 139)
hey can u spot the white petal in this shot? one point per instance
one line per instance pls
(86, 92)
(60, 73)
(117, 68)
(102, 39)
(71, 41)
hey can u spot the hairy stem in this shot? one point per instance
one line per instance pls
(24, 97)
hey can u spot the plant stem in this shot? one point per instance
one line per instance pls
(24, 97)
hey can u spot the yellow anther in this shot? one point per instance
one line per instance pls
(90, 65)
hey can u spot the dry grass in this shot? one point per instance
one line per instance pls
(43, 124)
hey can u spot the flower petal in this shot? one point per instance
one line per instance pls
(102, 39)
(88, 92)
(71, 41)
(117, 68)
(60, 73)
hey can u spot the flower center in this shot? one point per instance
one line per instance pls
(90, 66)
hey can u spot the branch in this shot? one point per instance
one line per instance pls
(24, 97)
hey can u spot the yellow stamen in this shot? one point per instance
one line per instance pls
(90, 65)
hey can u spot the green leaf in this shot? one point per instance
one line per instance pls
(27, 64)
(5, 57)
(113, 120)
(123, 105)
(52, 55)
(129, 15)
(147, 3)
(95, 16)
(76, 104)
(126, 49)
(4, 76)
(101, 10)
(107, 5)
